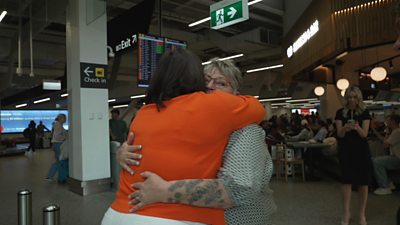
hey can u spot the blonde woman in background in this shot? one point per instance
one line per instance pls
(352, 123)
(58, 137)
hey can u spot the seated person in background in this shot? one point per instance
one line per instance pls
(304, 135)
(322, 132)
(274, 136)
(388, 162)
(332, 132)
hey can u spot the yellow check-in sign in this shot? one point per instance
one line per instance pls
(99, 72)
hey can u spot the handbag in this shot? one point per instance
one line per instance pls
(64, 150)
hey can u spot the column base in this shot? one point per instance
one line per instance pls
(89, 187)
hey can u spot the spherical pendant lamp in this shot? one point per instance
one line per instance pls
(342, 84)
(378, 73)
(319, 90)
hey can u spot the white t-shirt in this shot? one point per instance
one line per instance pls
(394, 141)
(59, 133)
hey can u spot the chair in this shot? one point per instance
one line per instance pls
(286, 160)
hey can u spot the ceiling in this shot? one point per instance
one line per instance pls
(258, 38)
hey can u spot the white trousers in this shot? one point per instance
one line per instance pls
(112, 217)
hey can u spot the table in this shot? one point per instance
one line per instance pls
(305, 145)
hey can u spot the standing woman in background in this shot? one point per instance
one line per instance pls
(352, 123)
(58, 137)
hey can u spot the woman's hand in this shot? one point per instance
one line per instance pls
(154, 189)
(125, 155)
(348, 127)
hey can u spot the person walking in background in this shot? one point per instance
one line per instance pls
(30, 133)
(352, 122)
(388, 162)
(59, 136)
(40, 133)
(118, 128)
(183, 131)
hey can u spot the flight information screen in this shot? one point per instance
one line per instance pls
(150, 50)
(15, 121)
(171, 45)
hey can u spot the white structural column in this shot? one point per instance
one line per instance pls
(86, 34)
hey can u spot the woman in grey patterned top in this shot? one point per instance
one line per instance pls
(242, 184)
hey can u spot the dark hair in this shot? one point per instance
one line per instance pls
(395, 118)
(115, 111)
(322, 123)
(178, 73)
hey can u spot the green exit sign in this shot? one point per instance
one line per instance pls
(228, 12)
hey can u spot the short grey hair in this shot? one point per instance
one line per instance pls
(228, 69)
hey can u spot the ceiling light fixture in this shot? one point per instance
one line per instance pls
(199, 22)
(256, 96)
(378, 73)
(209, 18)
(120, 106)
(41, 100)
(274, 99)
(302, 100)
(2, 15)
(253, 2)
(21, 105)
(226, 58)
(342, 55)
(264, 68)
(64, 95)
(112, 100)
(138, 96)
(279, 104)
(342, 84)
(319, 91)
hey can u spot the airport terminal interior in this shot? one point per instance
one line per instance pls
(77, 76)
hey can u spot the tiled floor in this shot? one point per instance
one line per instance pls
(310, 203)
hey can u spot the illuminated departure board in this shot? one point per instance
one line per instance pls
(150, 50)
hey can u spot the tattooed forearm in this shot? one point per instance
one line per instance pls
(176, 185)
(199, 192)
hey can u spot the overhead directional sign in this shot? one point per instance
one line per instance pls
(93, 75)
(228, 12)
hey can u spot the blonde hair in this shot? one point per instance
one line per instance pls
(360, 105)
(227, 69)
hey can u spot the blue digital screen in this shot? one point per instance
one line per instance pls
(15, 121)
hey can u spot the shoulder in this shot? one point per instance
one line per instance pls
(339, 110)
(250, 133)
(339, 114)
(365, 114)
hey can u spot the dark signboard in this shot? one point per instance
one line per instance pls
(122, 30)
(93, 75)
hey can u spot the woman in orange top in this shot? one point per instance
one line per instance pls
(183, 131)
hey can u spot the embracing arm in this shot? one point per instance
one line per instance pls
(240, 179)
(195, 192)
(198, 192)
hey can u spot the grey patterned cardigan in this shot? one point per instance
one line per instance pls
(246, 172)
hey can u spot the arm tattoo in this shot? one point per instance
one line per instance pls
(177, 185)
(208, 193)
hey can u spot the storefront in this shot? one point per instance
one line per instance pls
(342, 39)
